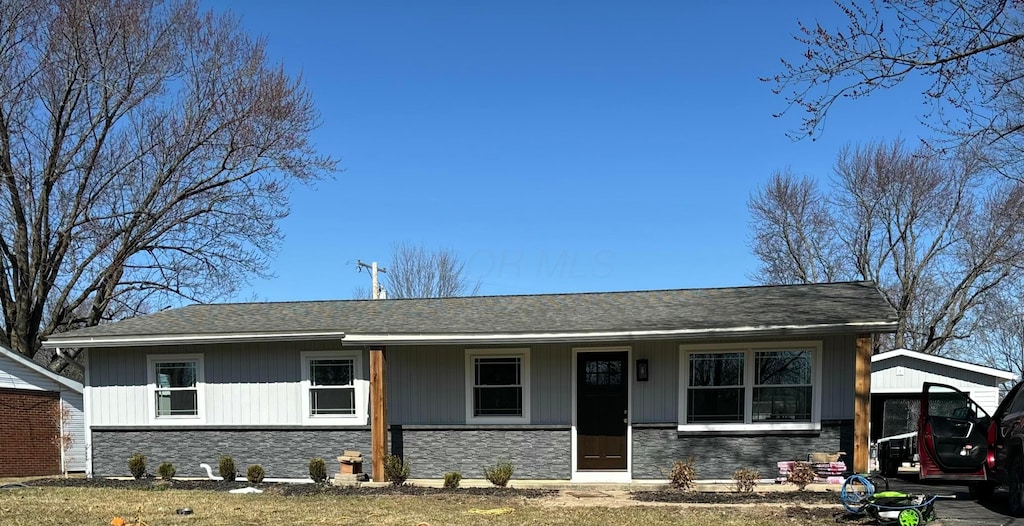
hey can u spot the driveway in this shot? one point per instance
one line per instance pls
(961, 510)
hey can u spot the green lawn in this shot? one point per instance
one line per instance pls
(94, 506)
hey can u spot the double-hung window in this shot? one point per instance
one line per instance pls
(176, 383)
(773, 385)
(333, 391)
(498, 386)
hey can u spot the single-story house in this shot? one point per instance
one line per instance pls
(42, 424)
(897, 377)
(609, 386)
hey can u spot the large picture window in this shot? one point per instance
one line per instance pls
(497, 386)
(333, 388)
(750, 385)
(176, 386)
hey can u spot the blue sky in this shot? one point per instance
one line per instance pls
(556, 146)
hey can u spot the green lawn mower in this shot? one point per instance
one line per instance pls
(860, 494)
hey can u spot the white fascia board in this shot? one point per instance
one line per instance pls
(998, 373)
(176, 339)
(66, 382)
(457, 338)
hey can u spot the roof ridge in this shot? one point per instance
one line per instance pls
(539, 294)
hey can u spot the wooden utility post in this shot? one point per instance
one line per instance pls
(378, 413)
(862, 404)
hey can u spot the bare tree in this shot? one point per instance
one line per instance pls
(935, 232)
(1000, 341)
(794, 233)
(970, 53)
(418, 272)
(146, 151)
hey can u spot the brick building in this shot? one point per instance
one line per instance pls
(37, 408)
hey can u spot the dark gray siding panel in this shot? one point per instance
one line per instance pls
(282, 453)
(717, 457)
(838, 368)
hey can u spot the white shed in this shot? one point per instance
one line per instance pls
(900, 374)
(31, 419)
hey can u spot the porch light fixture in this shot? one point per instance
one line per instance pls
(641, 370)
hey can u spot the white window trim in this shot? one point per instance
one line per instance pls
(361, 384)
(748, 367)
(200, 417)
(524, 375)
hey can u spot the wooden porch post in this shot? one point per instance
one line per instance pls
(378, 413)
(862, 404)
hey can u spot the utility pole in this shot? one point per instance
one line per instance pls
(376, 291)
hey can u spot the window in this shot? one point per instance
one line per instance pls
(333, 390)
(176, 386)
(770, 385)
(497, 386)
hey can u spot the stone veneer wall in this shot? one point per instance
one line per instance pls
(283, 453)
(536, 452)
(656, 448)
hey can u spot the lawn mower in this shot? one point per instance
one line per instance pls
(870, 494)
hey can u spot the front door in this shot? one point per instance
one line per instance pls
(602, 397)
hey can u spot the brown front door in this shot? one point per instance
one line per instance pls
(602, 396)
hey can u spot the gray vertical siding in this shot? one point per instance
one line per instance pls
(837, 375)
(551, 385)
(426, 385)
(258, 384)
(657, 399)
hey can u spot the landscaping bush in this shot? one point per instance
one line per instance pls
(683, 474)
(746, 479)
(396, 470)
(166, 471)
(318, 470)
(227, 469)
(452, 479)
(137, 465)
(500, 474)
(801, 474)
(254, 474)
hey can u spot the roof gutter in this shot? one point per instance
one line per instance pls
(477, 338)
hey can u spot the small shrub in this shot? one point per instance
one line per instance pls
(452, 479)
(801, 474)
(746, 479)
(396, 470)
(227, 468)
(500, 474)
(683, 474)
(318, 470)
(137, 465)
(255, 474)
(166, 471)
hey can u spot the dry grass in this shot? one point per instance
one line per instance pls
(94, 506)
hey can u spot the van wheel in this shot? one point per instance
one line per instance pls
(1015, 480)
(981, 490)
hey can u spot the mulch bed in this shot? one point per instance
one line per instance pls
(289, 489)
(697, 497)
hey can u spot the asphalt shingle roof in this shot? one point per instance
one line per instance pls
(685, 309)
